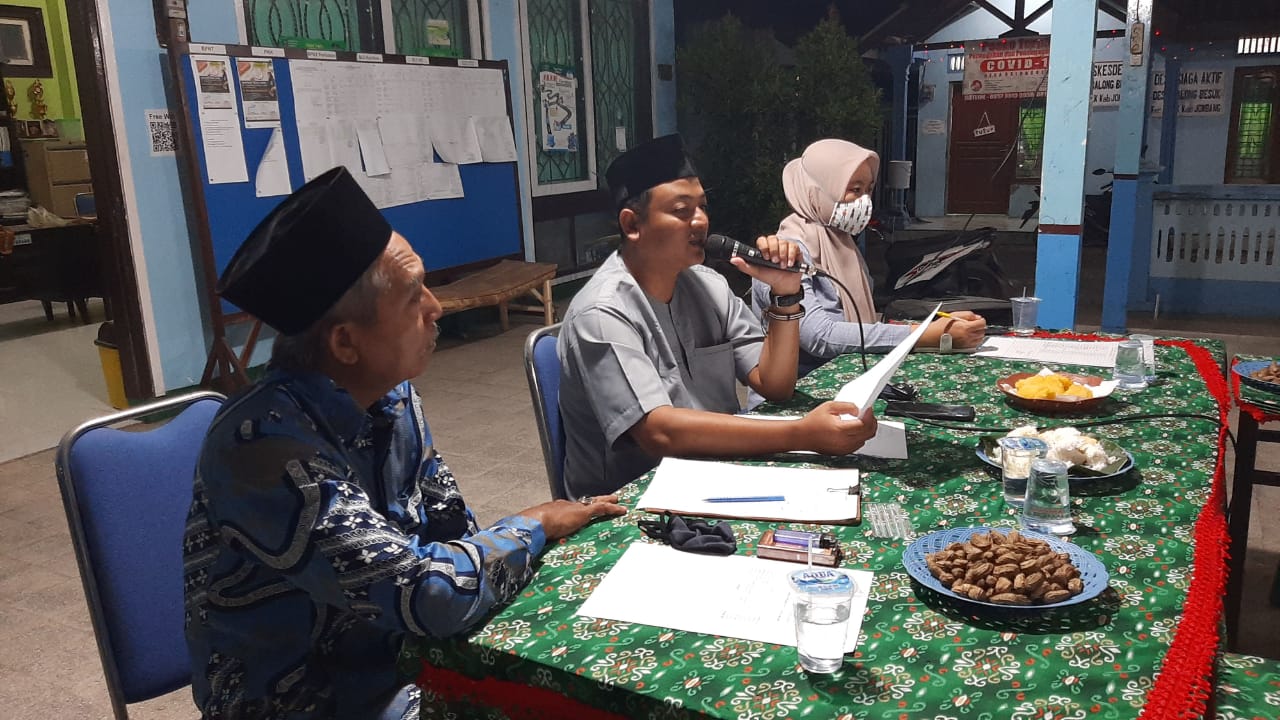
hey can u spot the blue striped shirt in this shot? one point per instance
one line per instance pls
(319, 535)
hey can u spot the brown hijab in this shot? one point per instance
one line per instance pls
(813, 184)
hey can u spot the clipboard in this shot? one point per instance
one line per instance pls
(819, 496)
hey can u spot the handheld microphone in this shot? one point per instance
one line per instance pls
(724, 247)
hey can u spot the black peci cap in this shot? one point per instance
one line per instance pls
(657, 161)
(306, 253)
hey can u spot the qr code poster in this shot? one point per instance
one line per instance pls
(161, 131)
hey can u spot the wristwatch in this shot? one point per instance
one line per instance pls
(785, 301)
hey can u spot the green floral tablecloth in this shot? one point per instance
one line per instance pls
(1248, 688)
(921, 655)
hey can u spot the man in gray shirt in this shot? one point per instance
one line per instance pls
(653, 346)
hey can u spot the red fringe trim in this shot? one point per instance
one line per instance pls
(517, 701)
(1182, 688)
(1184, 685)
(1259, 415)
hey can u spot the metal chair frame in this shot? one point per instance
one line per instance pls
(555, 475)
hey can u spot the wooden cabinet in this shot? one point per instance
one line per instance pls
(53, 265)
(56, 172)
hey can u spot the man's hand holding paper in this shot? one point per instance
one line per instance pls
(837, 428)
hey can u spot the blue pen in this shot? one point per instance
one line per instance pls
(748, 499)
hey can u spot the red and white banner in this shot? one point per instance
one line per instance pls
(1007, 68)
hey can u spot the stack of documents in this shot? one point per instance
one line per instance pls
(709, 489)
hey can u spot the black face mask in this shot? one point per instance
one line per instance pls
(692, 535)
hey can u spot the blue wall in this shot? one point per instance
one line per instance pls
(179, 322)
(1201, 157)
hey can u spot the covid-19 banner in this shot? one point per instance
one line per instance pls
(1006, 68)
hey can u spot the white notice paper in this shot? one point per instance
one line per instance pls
(864, 389)
(811, 495)
(455, 140)
(272, 178)
(439, 181)
(751, 598)
(1055, 352)
(345, 146)
(404, 140)
(317, 157)
(219, 121)
(497, 144)
(375, 158)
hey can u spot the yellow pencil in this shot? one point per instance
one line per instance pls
(945, 314)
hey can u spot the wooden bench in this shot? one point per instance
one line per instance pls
(500, 284)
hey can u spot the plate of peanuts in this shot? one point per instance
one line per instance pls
(1005, 568)
(1262, 374)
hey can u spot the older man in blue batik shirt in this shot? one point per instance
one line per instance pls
(324, 526)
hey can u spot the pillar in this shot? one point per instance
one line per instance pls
(1066, 132)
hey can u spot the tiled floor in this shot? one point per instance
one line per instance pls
(482, 420)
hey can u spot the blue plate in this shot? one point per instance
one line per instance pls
(1092, 573)
(1246, 369)
(1126, 467)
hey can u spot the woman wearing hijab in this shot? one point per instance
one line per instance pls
(829, 189)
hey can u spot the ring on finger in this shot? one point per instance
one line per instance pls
(586, 499)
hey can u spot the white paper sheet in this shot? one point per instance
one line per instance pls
(1056, 352)
(812, 495)
(272, 178)
(864, 389)
(751, 599)
(219, 120)
(345, 146)
(404, 140)
(890, 441)
(497, 144)
(317, 157)
(439, 181)
(371, 151)
(454, 138)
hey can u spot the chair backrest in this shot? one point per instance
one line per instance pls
(85, 205)
(126, 495)
(542, 366)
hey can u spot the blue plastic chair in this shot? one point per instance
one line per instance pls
(542, 366)
(126, 496)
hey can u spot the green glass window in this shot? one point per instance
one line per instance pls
(431, 27)
(317, 24)
(1251, 151)
(1031, 117)
(557, 64)
(613, 74)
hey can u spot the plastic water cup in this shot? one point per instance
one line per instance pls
(1148, 356)
(1130, 368)
(1026, 310)
(823, 601)
(1047, 508)
(1016, 454)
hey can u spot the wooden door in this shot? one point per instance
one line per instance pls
(981, 166)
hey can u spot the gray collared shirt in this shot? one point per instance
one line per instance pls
(624, 354)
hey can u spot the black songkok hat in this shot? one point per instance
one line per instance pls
(305, 254)
(657, 161)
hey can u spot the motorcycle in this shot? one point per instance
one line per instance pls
(958, 269)
(1096, 219)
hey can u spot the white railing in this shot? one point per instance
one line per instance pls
(1216, 232)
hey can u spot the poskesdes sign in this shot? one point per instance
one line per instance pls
(1007, 68)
